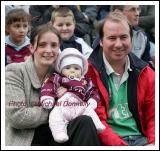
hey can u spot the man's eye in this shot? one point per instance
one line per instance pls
(112, 38)
(124, 37)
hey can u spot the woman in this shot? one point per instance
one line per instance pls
(26, 120)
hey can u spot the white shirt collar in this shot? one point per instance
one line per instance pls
(109, 68)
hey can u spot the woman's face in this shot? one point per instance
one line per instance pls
(45, 50)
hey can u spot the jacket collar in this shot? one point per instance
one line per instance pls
(109, 68)
(97, 60)
(9, 42)
(136, 63)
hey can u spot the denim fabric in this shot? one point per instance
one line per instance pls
(136, 140)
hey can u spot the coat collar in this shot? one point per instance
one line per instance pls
(136, 63)
(97, 60)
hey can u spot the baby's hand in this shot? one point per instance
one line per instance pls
(47, 104)
(61, 91)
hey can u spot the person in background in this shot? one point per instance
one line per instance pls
(63, 20)
(126, 85)
(41, 14)
(26, 120)
(141, 46)
(85, 18)
(16, 42)
(85, 15)
(147, 23)
(147, 20)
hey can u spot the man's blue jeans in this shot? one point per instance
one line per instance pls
(136, 140)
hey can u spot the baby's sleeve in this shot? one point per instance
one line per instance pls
(50, 86)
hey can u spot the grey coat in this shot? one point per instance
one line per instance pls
(23, 115)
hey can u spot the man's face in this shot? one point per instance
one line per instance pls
(132, 13)
(116, 42)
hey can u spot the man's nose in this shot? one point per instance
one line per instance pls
(118, 43)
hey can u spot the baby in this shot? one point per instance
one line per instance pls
(80, 99)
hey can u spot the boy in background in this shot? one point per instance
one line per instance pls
(63, 20)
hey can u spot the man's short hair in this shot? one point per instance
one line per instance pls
(116, 17)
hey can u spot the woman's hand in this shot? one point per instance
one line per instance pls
(61, 91)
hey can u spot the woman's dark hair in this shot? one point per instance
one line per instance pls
(40, 30)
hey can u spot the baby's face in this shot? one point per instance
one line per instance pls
(65, 25)
(72, 71)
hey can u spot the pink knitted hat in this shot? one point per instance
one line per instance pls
(71, 56)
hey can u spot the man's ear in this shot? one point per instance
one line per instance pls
(101, 44)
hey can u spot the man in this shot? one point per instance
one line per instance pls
(141, 45)
(147, 20)
(126, 85)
